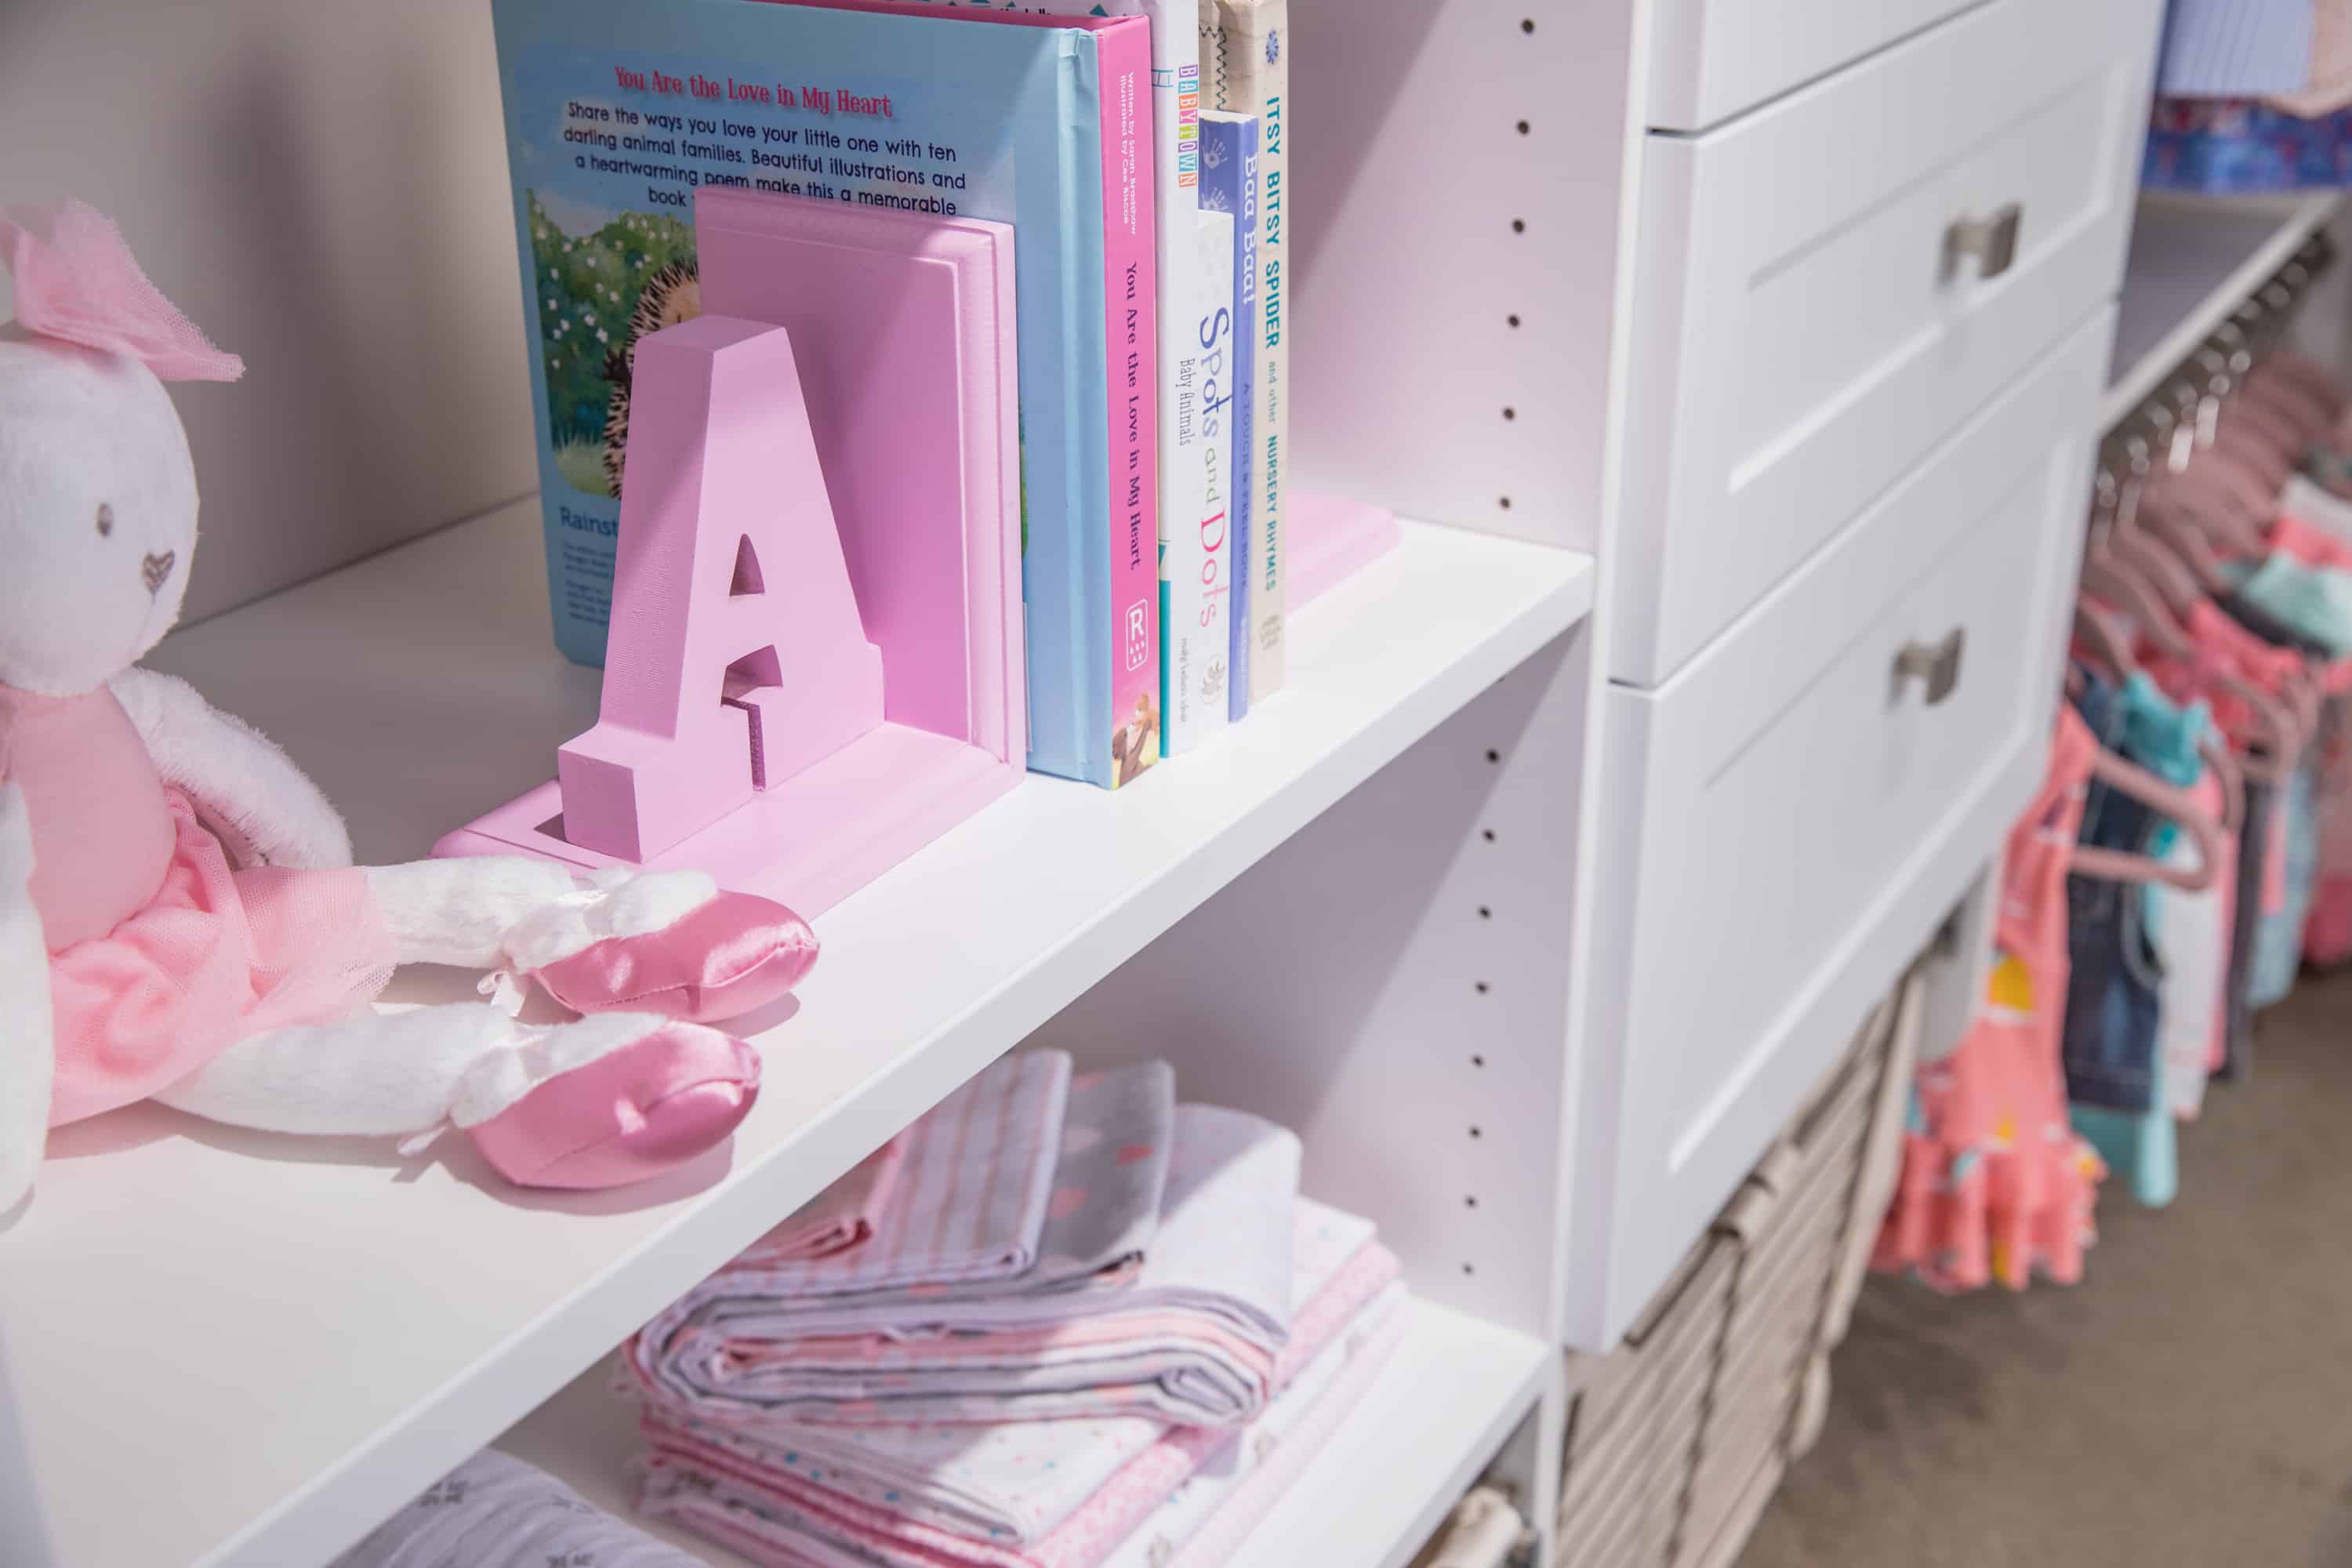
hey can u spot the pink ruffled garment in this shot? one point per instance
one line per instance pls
(1995, 1184)
(2221, 646)
(147, 986)
(2328, 929)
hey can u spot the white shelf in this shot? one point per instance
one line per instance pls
(2193, 261)
(1436, 1414)
(266, 1344)
(1442, 1406)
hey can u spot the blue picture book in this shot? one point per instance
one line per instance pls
(616, 110)
(1230, 183)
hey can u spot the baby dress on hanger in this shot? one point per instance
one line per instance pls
(1995, 1184)
(2222, 645)
(2140, 1144)
(2109, 1036)
(2315, 528)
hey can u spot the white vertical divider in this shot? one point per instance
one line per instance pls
(1467, 173)
(1393, 983)
(1389, 982)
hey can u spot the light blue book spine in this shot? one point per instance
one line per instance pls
(616, 110)
(1230, 183)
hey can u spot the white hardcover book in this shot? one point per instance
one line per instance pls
(1197, 563)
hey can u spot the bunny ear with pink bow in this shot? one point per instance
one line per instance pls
(76, 280)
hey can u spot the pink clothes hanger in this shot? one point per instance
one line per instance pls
(2279, 731)
(2097, 630)
(2230, 776)
(2105, 576)
(2175, 553)
(2220, 503)
(2122, 866)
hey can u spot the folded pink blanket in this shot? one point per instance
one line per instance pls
(1188, 1335)
(1049, 1494)
(776, 1519)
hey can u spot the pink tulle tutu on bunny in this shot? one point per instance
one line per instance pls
(161, 954)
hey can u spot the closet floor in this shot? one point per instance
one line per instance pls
(2190, 1403)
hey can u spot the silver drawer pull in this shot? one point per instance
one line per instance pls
(1935, 665)
(1991, 239)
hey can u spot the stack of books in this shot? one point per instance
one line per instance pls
(1137, 159)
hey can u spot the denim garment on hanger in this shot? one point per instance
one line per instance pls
(2110, 1038)
(2140, 1147)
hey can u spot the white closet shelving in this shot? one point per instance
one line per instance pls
(2193, 261)
(1392, 910)
(236, 1279)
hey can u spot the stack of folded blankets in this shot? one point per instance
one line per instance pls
(1059, 1322)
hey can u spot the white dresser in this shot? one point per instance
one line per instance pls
(1874, 257)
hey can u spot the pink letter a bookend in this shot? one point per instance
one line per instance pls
(737, 654)
(816, 666)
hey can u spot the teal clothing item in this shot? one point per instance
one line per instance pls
(2141, 1147)
(2313, 602)
(2163, 737)
(2278, 938)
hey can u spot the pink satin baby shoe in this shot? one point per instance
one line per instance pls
(732, 956)
(645, 1109)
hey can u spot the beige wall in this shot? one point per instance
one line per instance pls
(322, 188)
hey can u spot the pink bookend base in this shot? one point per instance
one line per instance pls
(809, 842)
(1331, 540)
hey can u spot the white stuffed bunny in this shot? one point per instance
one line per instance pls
(179, 917)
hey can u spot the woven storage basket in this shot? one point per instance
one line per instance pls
(1678, 1437)
(1635, 1418)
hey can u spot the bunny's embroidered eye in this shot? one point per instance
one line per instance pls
(105, 519)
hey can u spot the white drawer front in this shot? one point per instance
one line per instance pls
(1711, 58)
(1785, 822)
(1801, 337)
